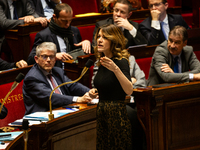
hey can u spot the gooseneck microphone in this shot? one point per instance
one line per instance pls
(18, 79)
(25, 128)
(88, 64)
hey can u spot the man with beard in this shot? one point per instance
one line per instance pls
(60, 32)
(173, 61)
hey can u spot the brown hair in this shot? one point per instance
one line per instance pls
(118, 42)
(179, 31)
(130, 8)
(60, 7)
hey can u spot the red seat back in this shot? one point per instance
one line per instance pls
(32, 39)
(87, 32)
(144, 64)
(197, 54)
(14, 103)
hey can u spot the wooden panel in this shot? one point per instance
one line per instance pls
(170, 116)
(182, 128)
(82, 137)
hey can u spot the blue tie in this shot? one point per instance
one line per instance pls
(162, 26)
(176, 64)
(15, 16)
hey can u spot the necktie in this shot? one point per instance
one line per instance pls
(68, 47)
(162, 27)
(53, 83)
(15, 16)
(176, 64)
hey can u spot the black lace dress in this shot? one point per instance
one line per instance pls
(113, 125)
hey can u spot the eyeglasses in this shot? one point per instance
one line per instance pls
(155, 5)
(51, 57)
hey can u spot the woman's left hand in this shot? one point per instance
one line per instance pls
(108, 63)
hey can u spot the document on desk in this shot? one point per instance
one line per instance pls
(9, 136)
(43, 116)
(39, 117)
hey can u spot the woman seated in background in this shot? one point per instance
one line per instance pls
(113, 83)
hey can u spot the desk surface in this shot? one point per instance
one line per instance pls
(79, 125)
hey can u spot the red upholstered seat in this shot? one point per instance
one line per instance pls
(14, 103)
(32, 39)
(87, 32)
(197, 54)
(81, 6)
(144, 64)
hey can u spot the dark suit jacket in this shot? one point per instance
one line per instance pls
(4, 112)
(37, 6)
(6, 65)
(47, 36)
(6, 22)
(138, 40)
(155, 37)
(190, 64)
(36, 90)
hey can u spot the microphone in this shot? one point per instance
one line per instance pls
(18, 79)
(25, 128)
(88, 64)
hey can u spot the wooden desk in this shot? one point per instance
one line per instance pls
(10, 75)
(18, 40)
(170, 116)
(136, 15)
(148, 51)
(74, 131)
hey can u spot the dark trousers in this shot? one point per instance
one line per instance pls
(138, 135)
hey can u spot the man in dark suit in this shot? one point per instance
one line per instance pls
(121, 12)
(44, 8)
(43, 77)
(173, 61)
(62, 34)
(13, 16)
(4, 112)
(156, 27)
(4, 65)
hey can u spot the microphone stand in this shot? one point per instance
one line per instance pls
(51, 116)
(4, 100)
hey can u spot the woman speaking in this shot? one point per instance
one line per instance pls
(113, 83)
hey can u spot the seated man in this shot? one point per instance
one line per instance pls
(44, 8)
(43, 77)
(62, 34)
(157, 26)
(4, 65)
(16, 12)
(121, 12)
(173, 61)
(4, 112)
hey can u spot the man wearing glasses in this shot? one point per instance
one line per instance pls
(43, 77)
(121, 12)
(156, 27)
